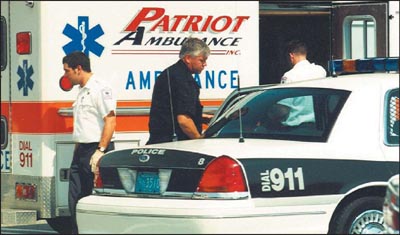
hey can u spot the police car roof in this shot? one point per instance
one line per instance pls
(350, 82)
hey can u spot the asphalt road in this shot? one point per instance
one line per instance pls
(40, 227)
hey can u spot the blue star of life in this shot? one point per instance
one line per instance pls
(83, 38)
(25, 80)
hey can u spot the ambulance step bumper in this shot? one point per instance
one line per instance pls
(17, 216)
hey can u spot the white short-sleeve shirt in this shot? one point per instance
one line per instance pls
(94, 101)
(303, 70)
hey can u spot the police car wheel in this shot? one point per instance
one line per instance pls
(361, 216)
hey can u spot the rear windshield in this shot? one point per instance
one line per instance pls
(303, 114)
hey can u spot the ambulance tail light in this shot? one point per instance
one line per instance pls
(370, 65)
(25, 191)
(65, 84)
(24, 43)
(223, 178)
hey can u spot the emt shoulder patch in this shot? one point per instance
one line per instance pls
(107, 93)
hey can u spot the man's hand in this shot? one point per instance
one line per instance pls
(95, 159)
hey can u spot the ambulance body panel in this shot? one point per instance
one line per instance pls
(129, 44)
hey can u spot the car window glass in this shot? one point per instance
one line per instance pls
(392, 120)
(285, 113)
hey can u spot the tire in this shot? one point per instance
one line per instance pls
(62, 225)
(361, 216)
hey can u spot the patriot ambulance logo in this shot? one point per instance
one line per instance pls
(83, 38)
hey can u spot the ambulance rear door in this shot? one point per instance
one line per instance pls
(359, 29)
(5, 90)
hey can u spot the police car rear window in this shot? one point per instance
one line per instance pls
(303, 114)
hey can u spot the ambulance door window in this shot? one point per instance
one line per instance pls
(3, 42)
(359, 29)
(4, 133)
(359, 37)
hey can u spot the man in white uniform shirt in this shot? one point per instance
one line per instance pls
(301, 108)
(302, 68)
(94, 125)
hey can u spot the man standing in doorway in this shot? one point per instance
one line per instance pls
(299, 109)
(302, 68)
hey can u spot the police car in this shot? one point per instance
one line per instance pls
(306, 157)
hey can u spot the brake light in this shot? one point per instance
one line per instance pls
(222, 175)
(24, 43)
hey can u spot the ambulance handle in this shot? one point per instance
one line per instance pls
(132, 111)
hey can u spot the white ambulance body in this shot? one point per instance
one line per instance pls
(129, 43)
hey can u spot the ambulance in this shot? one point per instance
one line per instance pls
(129, 43)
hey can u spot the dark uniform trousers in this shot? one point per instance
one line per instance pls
(81, 177)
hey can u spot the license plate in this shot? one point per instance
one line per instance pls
(147, 182)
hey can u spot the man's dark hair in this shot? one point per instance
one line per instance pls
(77, 58)
(297, 46)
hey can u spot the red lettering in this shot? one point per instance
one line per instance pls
(227, 22)
(164, 23)
(193, 23)
(25, 145)
(239, 22)
(25, 159)
(207, 23)
(232, 52)
(178, 19)
(22, 159)
(143, 16)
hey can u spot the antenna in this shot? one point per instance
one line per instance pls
(241, 139)
(174, 136)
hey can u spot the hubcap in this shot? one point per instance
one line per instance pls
(369, 222)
